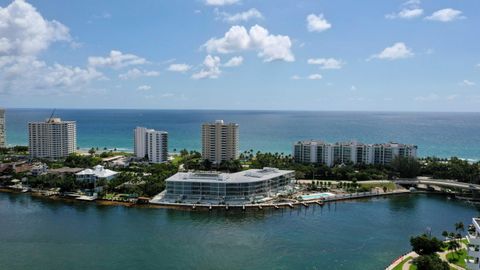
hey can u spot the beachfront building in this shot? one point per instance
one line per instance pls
(3, 141)
(245, 186)
(94, 175)
(219, 141)
(52, 138)
(350, 152)
(151, 144)
(473, 250)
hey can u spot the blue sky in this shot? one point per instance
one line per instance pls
(239, 54)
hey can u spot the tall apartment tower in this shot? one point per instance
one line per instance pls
(53, 138)
(3, 135)
(219, 141)
(151, 144)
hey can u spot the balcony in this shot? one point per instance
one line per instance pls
(473, 252)
(473, 239)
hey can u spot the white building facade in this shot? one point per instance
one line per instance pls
(151, 144)
(220, 141)
(3, 134)
(473, 247)
(350, 152)
(53, 138)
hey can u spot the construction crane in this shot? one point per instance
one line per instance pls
(51, 116)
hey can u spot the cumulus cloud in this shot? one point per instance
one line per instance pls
(445, 15)
(210, 69)
(234, 61)
(411, 9)
(24, 34)
(326, 63)
(398, 51)
(137, 73)
(144, 87)
(317, 23)
(116, 60)
(269, 47)
(23, 31)
(315, 77)
(240, 17)
(407, 13)
(220, 2)
(467, 83)
(179, 67)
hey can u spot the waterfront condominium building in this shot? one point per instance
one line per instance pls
(250, 185)
(473, 246)
(350, 152)
(151, 144)
(219, 141)
(3, 135)
(52, 138)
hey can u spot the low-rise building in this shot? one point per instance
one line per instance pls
(250, 185)
(97, 173)
(330, 154)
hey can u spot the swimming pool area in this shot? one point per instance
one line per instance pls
(315, 196)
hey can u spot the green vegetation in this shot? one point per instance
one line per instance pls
(458, 257)
(400, 265)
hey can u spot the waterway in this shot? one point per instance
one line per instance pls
(37, 233)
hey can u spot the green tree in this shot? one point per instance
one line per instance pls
(425, 245)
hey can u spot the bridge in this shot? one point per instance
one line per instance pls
(444, 183)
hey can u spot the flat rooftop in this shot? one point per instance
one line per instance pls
(252, 175)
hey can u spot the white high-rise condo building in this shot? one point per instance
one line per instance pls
(53, 138)
(3, 141)
(151, 144)
(219, 141)
(350, 152)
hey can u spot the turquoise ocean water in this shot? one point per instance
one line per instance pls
(439, 134)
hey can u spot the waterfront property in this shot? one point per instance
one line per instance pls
(3, 142)
(151, 144)
(97, 173)
(315, 151)
(52, 138)
(246, 186)
(219, 141)
(473, 251)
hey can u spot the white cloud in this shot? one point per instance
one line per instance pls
(211, 68)
(407, 13)
(24, 34)
(144, 87)
(241, 16)
(467, 83)
(429, 97)
(234, 61)
(446, 15)
(220, 2)
(116, 59)
(179, 67)
(398, 51)
(269, 47)
(137, 73)
(23, 31)
(317, 23)
(315, 77)
(326, 63)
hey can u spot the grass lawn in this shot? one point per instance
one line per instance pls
(390, 185)
(458, 258)
(400, 265)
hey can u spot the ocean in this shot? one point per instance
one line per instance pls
(436, 134)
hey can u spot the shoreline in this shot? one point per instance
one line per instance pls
(209, 207)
